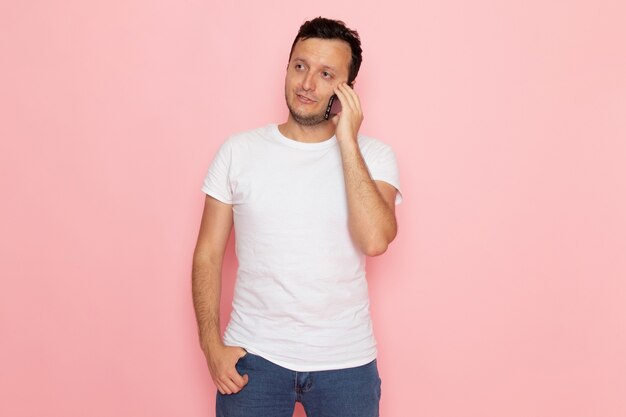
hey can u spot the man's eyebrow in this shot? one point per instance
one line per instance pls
(305, 61)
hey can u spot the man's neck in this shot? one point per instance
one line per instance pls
(310, 134)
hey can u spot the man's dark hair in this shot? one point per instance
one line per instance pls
(333, 29)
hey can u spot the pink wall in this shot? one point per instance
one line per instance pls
(504, 293)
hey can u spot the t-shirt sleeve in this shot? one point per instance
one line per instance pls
(384, 167)
(217, 180)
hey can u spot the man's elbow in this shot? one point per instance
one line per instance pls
(376, 250)
(380, 245)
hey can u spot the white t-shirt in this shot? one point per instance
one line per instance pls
(301, 297)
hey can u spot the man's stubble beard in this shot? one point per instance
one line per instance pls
(311, 120)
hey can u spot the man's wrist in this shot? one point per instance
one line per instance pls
(211, 344)
(351, 141)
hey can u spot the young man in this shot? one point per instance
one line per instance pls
(309, 199)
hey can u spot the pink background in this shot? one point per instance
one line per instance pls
(504, 293)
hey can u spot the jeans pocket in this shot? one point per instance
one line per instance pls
(242, 358)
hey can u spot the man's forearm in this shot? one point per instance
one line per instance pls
(206, 282)
(372, 223)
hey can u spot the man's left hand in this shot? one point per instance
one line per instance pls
(348, 121)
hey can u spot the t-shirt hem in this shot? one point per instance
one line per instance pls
(399, 196)
(308, 368)
(216, 195)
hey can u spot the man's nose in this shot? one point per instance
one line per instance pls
(308, 83)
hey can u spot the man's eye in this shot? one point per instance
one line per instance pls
(298, 66)
(327, 74)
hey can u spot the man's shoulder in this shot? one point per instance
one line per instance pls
(371, 144)
(245, 136)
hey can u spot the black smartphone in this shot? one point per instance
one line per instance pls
(334, 107)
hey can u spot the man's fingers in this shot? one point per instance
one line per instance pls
(227, 379)
(232, 383)
(232, 388)
(345, 101)
(348, 96)
(222, 389)
(237, 379)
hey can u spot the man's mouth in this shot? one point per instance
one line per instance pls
(305, 99)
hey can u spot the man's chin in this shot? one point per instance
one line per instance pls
(307, 120)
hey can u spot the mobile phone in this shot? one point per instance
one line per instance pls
(334, 107)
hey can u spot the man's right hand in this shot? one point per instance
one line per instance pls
(221, 360)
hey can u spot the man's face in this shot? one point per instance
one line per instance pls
(315, 68)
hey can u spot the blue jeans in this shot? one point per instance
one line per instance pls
(272, 391)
